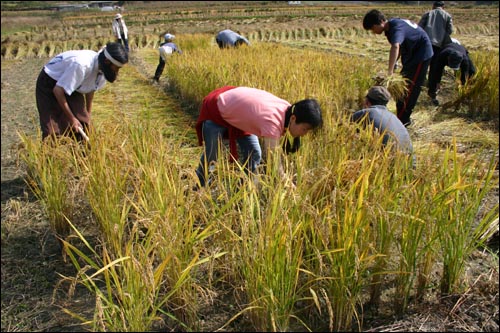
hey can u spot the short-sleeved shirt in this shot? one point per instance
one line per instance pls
(388, 124)
(76, 70)
(415, 45)
(167, 48)
(229, 37)
(254, 111)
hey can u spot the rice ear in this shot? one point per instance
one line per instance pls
(396, 84)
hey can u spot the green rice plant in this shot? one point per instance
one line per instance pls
(457, 203)
(271, 256)
(107, 190)
(50, 177)
(479, 94)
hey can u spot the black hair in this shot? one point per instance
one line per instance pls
(305, 111)
(117, 52)
(373, 17)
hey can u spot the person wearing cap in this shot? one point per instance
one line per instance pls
(228, 38)
(166, 49)
(455, 56)
(375, 114)
(120, 31)
(65, 88)
(410, 43)
(243, 115)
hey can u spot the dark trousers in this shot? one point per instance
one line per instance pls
(53, 121)
(431, 80)
(159, 69)
(124, 42)
(416, 76)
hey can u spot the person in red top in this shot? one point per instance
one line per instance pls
(243, 115)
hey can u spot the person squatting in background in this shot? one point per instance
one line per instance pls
(438, 24)
(375, 114)
(120, 31)
(455, 56)
(412, 44)
(166, 49)
(228, 38)
(243, 115)
(65, 88)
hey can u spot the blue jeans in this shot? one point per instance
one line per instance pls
(249, 146)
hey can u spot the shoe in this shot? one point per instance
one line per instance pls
(435, 102)
(407, 123)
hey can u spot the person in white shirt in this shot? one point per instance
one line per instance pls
(166, 49)
(120, 31)
(65, 88)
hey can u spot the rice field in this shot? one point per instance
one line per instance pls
(359, 230)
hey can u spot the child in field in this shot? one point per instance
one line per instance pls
(412, 44)
(65, 88)
(375, 114)
(166, 49)
(243, 115)
(228, 38)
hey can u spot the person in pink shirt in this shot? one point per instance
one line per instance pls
(243, 115)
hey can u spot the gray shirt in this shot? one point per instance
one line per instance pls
(229, 38)
(439, 26)
(388, 124)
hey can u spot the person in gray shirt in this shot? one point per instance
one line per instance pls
(438, 24)
(376, 114)
(228, 38)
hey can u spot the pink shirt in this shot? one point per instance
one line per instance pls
(254, 111)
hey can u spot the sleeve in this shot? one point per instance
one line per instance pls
(358, 116)
(72, 78)
(423, 20)
(449, 25)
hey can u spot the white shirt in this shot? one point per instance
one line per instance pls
(119, 28)
(76, 70)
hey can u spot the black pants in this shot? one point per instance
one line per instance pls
(159, 69)
(416, 76)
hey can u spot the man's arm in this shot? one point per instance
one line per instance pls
(393, 57)
(63, 103)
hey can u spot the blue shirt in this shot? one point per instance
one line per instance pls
(415, 45)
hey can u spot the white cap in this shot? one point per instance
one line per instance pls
(117, 16)
(169, 36)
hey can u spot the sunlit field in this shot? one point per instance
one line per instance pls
(360, 229)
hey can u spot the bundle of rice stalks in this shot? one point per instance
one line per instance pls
(396, 84)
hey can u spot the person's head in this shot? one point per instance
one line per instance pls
(111, 58)
(374, 20)
(301, 117)
(438, 4)
(378, 95)
(168, 37)
(455, 60)
(118, 17)
(240, 42)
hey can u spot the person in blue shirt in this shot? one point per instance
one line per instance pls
(228, 38)
(167, 48)
(410, 43)
(375, 114)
